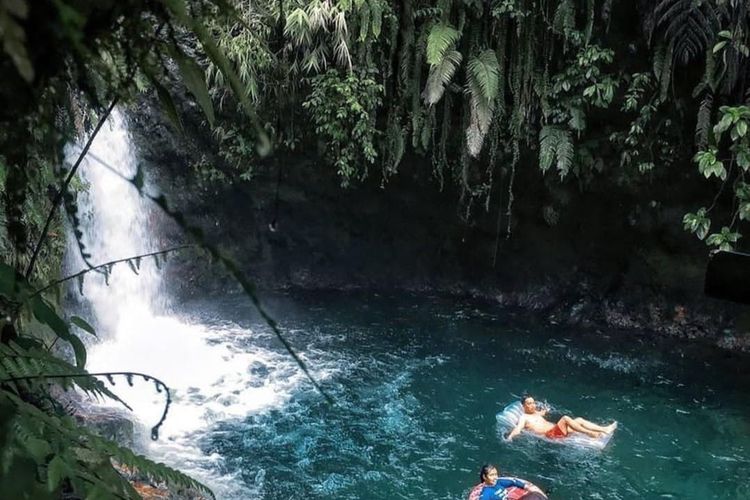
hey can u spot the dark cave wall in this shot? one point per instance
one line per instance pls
(616, 256)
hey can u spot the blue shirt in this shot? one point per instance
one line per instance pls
(498, 491)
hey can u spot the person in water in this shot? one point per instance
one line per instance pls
(533, 420)
(493, 488)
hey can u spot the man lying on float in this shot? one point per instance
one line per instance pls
(534, 421)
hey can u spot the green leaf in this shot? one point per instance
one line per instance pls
(724, 240)
(37, 448)
(741, 128)
(8, 280)
(744, 211)
(697, 223)
(179, 10)
(218, 57)
(56, 471)
(13, 36)
(195, 80)
(83, 325)
(577, 119)
(724, 124)
(44, 313)
(742, 191)
(719, 46)
(743, 157)
(165, 98)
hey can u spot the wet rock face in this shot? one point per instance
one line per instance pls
(599, 257)
(109, 423)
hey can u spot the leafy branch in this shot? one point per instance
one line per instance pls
(133, 261)
(129, 377)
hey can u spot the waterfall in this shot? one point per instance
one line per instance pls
(208, 367)
(116, 224)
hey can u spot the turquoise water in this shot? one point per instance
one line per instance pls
(417, 383)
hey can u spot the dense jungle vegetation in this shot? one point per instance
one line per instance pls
(639, 92)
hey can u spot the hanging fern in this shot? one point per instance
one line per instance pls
(688, 26)
(483, 73)
(440, 76)
(440, 39)
(663, 68)
(703, 123)
(565, 17)
(555, 148)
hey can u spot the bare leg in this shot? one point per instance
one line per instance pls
(574, 425)
(594, 427)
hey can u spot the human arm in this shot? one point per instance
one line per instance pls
(507, 482)
(517, 429)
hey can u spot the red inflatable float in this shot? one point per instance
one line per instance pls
(512, 493)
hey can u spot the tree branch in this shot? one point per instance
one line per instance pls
(110, 263)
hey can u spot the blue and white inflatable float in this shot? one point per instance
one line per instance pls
(508, 418)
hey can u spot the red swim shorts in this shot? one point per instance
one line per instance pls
(556, 432)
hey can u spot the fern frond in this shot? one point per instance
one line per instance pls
(703, 123)
(440, 76)
(688, 26)
(83, 457)
(590, 15)
(483, 75)
(440, 39)
(565, 17)
(28, 367)
(555, 148)
(663, 68)
(548, 139)
(376, 18)
(405, 53)
(565, 153)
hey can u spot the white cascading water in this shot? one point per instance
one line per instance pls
(210, 382)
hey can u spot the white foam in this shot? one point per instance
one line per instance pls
(211, 379)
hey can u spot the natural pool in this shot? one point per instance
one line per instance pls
(417, 383)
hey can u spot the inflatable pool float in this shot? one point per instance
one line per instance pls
(508, 418)
(513, 493)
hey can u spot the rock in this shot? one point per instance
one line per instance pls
(109, 423)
